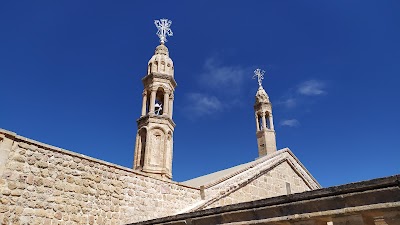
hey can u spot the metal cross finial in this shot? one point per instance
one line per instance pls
(164, 30)
(260, 76)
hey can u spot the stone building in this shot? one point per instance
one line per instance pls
(43, 184)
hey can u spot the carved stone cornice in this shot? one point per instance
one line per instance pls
(153, 75)
(144, 120)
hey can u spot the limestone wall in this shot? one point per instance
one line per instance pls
(374, 202)
(281, 180)
(42, 184)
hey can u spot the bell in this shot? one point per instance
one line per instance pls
(157, 108)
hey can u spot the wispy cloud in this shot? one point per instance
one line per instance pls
(303, 93)
(222, 77)
(199, 105)
(311, 87)
(290, 123)
(218, 81)
(288, 102)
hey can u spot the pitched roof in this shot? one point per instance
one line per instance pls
(209, 178)
(222, 175)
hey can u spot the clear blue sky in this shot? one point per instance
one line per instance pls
(71, 77)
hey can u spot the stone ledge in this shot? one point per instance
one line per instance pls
(153, 75)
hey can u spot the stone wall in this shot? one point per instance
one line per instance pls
(281, 180)
(374, 202)
(42, 184)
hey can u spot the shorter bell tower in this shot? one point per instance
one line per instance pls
(154, 139)
(264, 121)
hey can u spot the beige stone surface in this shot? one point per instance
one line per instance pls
(42, 184)
(270, 184)
(282, 170)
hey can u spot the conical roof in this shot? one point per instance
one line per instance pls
(261, 96)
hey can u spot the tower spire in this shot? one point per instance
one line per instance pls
(265, 131)
(154, 139)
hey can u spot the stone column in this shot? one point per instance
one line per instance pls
(264, 122)
(271, 122)
(144, 103)
(257, 123)
(166, 103)
(171, 106)
(152, 101)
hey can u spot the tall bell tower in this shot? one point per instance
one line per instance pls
(265, 133)
(154, 139)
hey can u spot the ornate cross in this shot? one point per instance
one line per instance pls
(163, 29)
(259, 74)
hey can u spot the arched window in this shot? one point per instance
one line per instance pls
(149, 68)
(142, 146)
(148, 102)
(162, 66)
(267, 120)
(260, 123)
(168, 68)
(159, 102)
(155, 67)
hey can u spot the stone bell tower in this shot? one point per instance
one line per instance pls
(263, 113)
(154, 139)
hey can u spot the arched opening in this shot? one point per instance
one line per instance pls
(260, 123)
(162, 66)
(158, 109)
(168, 67)
(142, 146)
(149, 68)
(267, 120)
(148, 102)
(154, 67)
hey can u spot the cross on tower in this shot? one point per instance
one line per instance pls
(260, 76)
(164, 30)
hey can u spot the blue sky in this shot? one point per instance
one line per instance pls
(71, 77)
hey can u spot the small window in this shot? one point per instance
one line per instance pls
(288, 189)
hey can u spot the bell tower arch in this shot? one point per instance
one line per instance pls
(154, 139)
